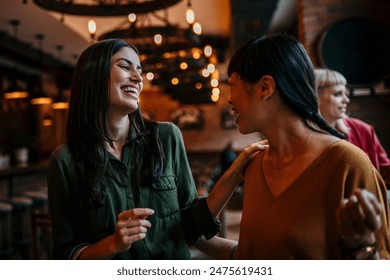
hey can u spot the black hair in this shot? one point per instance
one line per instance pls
(86, 128)
(285, 59)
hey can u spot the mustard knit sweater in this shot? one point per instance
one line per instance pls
(300, 222)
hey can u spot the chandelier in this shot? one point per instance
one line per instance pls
(104, 7)
(179, 60)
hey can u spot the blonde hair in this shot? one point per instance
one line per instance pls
(327, 78)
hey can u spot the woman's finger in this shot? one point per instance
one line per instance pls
(141, 213)
(371, 208)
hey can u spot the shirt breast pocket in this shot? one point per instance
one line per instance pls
(164, 194)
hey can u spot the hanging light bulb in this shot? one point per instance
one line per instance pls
(197, 28)
(196, 54)
(214, 83)
(211, 67)
(92, 29)
(214, 97)
(150, 76)
(190, 15)
(215, 91)
(175, 81)
(158, 39)
(132, 17)
(208, 50)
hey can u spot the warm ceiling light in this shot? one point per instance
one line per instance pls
(197, 28)
(214, 98)
(167, 55)
(16, 95)
(196, 55)
(214, 82)
(211, 67)
(150, 76)
(41, 101)
(183, 66)
(175, 81)
(205, 73)
(132, 17)
(60, 105)
(190, 16)
(198, 85)
(215, 91)
(208, 50)
(47, 121)
(157, 39)
(92, 27)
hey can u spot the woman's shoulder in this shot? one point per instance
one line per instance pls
(61, 149)
(62, 153)
(167, 128)
(344, 151)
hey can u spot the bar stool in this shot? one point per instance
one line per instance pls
(21, 226)
(41, 225)
(6, 249)
(39, 198)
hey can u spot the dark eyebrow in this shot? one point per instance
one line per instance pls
(129, 62)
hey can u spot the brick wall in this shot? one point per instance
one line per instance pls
(314, 16)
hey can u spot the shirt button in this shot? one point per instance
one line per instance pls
(129, 195)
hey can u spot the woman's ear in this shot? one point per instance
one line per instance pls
(267, 86)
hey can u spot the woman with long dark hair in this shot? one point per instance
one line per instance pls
(121, 186)
(311, 194)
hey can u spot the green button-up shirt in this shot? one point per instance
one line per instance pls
(180, 215)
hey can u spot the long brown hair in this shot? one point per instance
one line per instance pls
(86, 128)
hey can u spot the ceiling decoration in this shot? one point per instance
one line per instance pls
(174, 58)
(180, 60)
(104, 7)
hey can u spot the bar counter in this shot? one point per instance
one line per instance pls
(10, 173)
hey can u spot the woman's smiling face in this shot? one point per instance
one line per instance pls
(126, 80)
(333, 102)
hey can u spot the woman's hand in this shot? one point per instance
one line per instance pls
(224, 188)
(238, 166)
(359, 218)
(131, 227)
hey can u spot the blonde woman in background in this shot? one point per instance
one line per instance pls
(333, 103)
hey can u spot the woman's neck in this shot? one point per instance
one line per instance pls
(118, 129)
(287, 137)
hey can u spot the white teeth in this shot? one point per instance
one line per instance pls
(129, 89)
